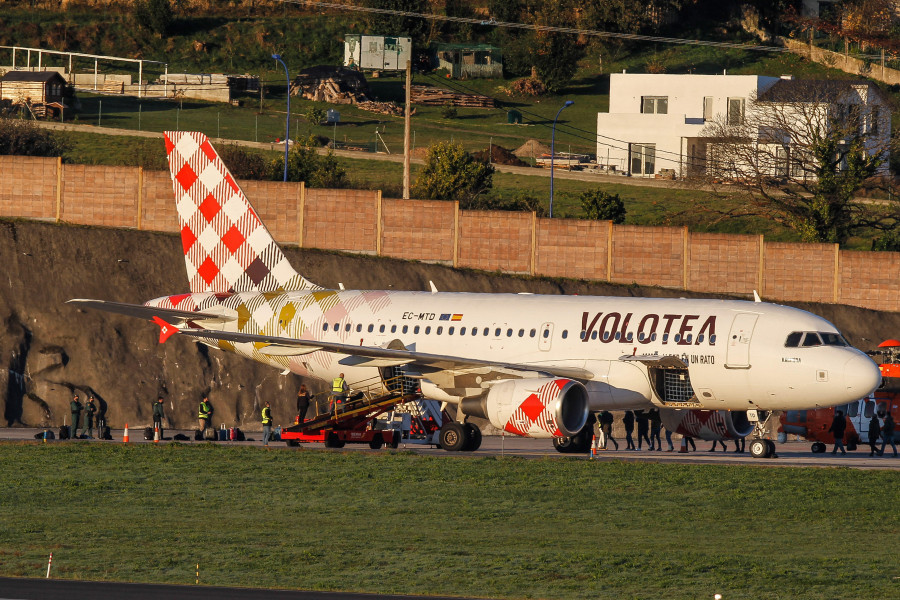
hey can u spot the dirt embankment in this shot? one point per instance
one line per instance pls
(53, 349)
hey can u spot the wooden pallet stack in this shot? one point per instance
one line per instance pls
(434, 96)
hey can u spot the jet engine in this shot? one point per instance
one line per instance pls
(707, 424)
(538, 408)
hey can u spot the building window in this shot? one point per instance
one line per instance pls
(655, 105)
(874, 117)
(643, 159)
(708, 108)
(735, 111)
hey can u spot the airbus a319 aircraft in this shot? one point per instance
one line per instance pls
(532, 365)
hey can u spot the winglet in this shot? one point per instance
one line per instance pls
(166, 330)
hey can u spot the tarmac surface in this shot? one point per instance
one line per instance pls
(789, 454)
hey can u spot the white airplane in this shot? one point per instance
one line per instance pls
(532, 365)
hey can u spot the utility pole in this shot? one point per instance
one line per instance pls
(406, 129)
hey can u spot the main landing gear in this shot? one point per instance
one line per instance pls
(759, 447)
(460, 437)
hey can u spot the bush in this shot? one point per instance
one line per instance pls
(451, 173)
(603, 206)
(24, 138)
(155, 15)
(305, 164)
(244, 164)
(521, 201)
(448, 111)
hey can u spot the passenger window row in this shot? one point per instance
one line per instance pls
(440, 329)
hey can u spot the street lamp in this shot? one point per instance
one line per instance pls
(287, 122)
(553, 149)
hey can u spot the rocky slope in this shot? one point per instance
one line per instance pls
(53, 349)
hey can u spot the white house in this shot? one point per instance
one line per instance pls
(657, 123)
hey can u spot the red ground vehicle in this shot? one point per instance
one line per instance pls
(814, 424)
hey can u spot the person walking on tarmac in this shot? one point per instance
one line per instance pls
(75, 406)
(838, 426)
(266, 423)
(628, 422)
(158, 416)
(655, 427)
(606, 423)
(204, 414)
(303, 399)
(874, 433)
(887, 434)
(643, 427)
(339, 389)
(87, 417)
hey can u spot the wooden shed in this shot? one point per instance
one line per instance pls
(34, 88)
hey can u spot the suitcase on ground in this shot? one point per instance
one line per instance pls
(239, 435)
(223, 435)
(232, 434)
(64, 432)
(211, 435)
(105, 434)
(198, 435)
(148, 433)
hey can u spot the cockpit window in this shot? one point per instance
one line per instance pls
(793, 339)
(811, 339)
(833, 339)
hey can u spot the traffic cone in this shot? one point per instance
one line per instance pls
(593, 446)
(125, 436)
(683, 448)
(156, 434)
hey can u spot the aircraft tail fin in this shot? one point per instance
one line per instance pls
(226, 246)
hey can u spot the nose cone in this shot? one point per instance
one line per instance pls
(861, 376)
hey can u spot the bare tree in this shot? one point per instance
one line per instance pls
(804, 154)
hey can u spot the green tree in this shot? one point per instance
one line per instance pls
(24, 138)
(451, 173)
(305, 164)
(155, 15)
(602, 206)
(521, 201)
(555, 55)
(244, 164)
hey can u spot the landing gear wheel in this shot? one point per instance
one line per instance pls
(376, 442)
(332, 441)
(292, 443)
(818, 448)
(473, 437)
(760, 449)
(453, 437)
(563, 445)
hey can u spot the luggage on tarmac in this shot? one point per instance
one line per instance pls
(223, 435)
(211, 435)
(105, 433)
(198, 435)
(64, 432)
(148, 433)
(232, 434)
(238, 435)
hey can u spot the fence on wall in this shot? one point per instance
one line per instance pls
(362, 221)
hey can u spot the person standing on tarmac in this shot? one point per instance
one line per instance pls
(87, 419)
(874, 433)
(303, 399)
(739, 444)
(606, 423)
(204, 414)
(628, 421)
(655, 427)
(158, 416)
(339, 389)
(887, 434)
(838, 426)
(75, 406)
(643, 427)
(267, 424)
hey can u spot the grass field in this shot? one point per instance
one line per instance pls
(395, 522)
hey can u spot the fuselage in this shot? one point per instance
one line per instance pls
(737, 355)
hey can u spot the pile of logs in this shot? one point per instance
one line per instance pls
(426, 94)
(334, 85)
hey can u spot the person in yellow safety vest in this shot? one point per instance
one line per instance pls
(266, 423)
(339, 389)
(204, 414)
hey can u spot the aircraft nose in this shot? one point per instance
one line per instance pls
(862, 377)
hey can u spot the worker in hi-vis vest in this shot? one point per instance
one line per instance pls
(339, 389)
(266, 423)
(204, 414)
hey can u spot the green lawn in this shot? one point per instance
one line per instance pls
(394, 522)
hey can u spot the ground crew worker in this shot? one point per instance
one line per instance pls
(90, 407)
(655, 428)
(158, 416)
(606, 423)
(838, 426)
(887, 434)
(100, 419)
(628, 421)
(303, 399)
(75, 406)
(339, 389)
(204, 414)
(874, 434)
(266, 423)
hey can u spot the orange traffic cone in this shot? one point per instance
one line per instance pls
(125, 436)
(593, 446)
(156, 434)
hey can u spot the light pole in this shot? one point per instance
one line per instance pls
(553, 150)
(287, 121)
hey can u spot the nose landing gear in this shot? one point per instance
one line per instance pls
(760, 447)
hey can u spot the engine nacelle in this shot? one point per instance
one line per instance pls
(538, 408)
(707, 424)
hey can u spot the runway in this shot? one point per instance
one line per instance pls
(789, 454)
(58, 589)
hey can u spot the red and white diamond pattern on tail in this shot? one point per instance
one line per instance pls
(535, 416)
(226, 246)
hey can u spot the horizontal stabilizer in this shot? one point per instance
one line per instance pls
(142, 311)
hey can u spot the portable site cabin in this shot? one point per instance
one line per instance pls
(377, 52)
(470, 61)
(40, 90)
